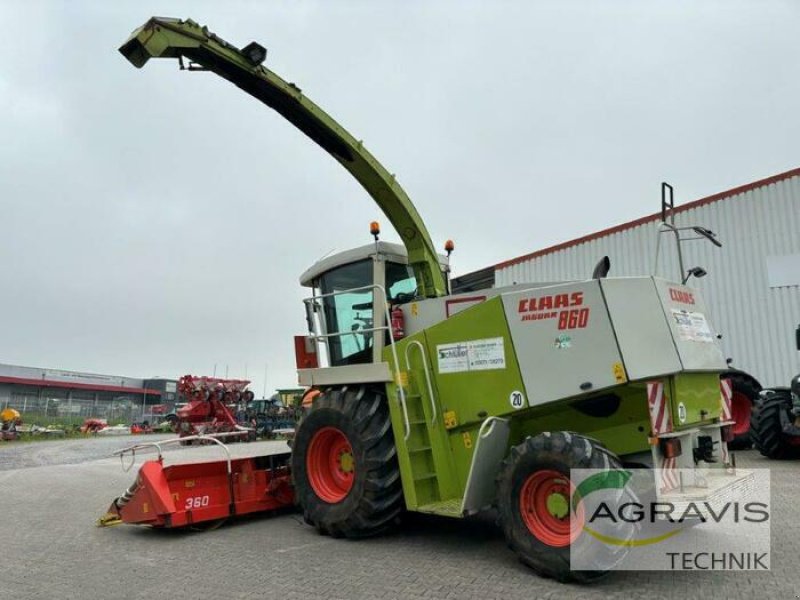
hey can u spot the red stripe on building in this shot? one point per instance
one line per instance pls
(77, 386)
(654, 217)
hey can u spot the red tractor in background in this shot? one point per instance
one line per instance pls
(212, 405)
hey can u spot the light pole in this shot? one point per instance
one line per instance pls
(144, 398)
(144, 393)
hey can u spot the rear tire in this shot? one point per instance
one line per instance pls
(535, 468)
(745, 395)
(344, 464)
(771, 412)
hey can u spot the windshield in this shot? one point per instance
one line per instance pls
(401, 286)
(349, 313)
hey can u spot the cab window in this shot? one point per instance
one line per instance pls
(349, 313)
(401, 286)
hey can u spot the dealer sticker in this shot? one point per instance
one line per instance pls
(472, 355)
(692, 326)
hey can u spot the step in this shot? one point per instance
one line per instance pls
(424, 476)
(420, 449)
(445, 508)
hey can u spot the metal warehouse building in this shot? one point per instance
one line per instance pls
(43, 393)
(753, 282)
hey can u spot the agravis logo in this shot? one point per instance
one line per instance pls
(613, 480)
(723, 524)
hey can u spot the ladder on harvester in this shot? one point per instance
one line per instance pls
(427, 443)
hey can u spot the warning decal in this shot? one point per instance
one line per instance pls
(474, 355)
(619, 372)
(692, 326)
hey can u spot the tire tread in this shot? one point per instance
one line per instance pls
(378, 498)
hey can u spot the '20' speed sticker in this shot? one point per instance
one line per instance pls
(517, 400)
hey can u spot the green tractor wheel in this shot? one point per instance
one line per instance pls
(344, 463)
(772, 412)
(533, 503)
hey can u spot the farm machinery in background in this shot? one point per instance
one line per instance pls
(10, 420)
(776, 419)
(97, 426)
(448, 404)
(271, 418)
(211, 406)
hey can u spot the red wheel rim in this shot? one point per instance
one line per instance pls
(330, 465)
(544, 506)
(740, 412)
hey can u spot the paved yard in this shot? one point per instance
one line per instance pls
(51, 549)
(38, 453)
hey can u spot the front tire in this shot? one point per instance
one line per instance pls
(771, 412)
(344, 463)
(533, 502)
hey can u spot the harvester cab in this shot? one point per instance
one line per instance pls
(352, 295)
(354, 310)
(448, 404)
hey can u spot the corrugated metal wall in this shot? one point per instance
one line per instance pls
(757, 321)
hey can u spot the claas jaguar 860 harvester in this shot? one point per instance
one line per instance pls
(453, 404)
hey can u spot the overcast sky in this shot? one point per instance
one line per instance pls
(155, 222)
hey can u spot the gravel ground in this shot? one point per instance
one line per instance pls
(51, 548)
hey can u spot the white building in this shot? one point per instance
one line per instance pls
(39, 393)
(753, 282)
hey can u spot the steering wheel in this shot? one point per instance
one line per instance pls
(404, 297)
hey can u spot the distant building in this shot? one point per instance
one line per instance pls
(42, 393)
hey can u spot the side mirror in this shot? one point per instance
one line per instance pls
(694, 272)
(797, 337)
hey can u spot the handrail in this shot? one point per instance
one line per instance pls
(157, 445)
(491, 421)
(417, 344)
(362, 288)
(665, 227)
(324, 336)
